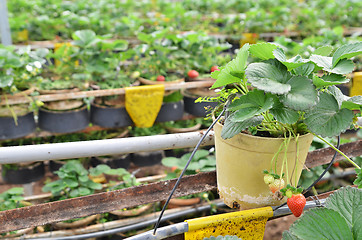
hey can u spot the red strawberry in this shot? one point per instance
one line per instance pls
(214, 68)
(276, 185)
(296, 204)
(160, 78)
(193, 74)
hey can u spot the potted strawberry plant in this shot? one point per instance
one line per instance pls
(19, 71)
(62, 75)
(101, 62)
(201, 55)
(274, 108)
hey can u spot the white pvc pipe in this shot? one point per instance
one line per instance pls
(69, 150)
(4, 24)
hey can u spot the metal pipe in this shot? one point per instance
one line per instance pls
(165, 232)
(58, 151)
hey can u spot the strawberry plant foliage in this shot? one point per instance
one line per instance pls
(341, 218)
(291, 92)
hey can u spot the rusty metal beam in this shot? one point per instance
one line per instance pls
(324, 155)
(46, 213)
(105, 202)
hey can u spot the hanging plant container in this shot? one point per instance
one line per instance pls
(132, 212)
(16, 127)
(240, 162)
(76, 224)
(117, 161)
(142, 159)
(23, 173)
(110, 114)
(171, 111)
(64, 120)
(182, 126)
(198, 109)
(182, 202)
(9, 129)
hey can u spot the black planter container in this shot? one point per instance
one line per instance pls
(142, 159)
(63, 121)
(196, 109)
(24, 174)
(9, 130)
(119, 161)
(55, 165)
(110, 117)
(171, 111)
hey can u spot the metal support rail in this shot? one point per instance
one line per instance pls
(97, 93)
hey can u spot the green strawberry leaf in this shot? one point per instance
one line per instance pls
(328, 80)
(231, 128)
(292, 63)
(347, 201)
(302, 94)
(284, 114)
(346, 51)
(358, 180)
(233, 71)
(326, 118)
(321, 223)
(344, 66)
(263, 51)
(353, 103)
(85, 38)
(304, 70)
(287, 235)
(268, 77)
(6, 81)
(338, 95)
(323, 51)
(247, 106)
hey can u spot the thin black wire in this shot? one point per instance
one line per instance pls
(323, 173)
(184, 170)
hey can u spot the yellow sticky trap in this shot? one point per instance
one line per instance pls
(250, 38)
(248, 224)
(356, 88)
(23, 35)
(57, 46)
(143, 103)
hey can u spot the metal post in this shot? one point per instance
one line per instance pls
(4, 24)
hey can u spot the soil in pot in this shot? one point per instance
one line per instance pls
(182, 126)
(241, 160)
(23, 173)
(24, 124)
